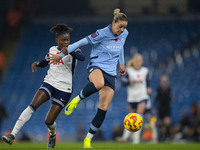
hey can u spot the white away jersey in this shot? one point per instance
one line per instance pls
(60, 74)
(137, 91)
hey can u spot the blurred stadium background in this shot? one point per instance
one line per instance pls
(165, 32)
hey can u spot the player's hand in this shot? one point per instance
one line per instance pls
(122, 70)
(149, 91)
(132, 81)
(64, 50)
(34, 65)
(54, 58)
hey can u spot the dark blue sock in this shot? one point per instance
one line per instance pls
(88, 90)
(33, 107)
(97, 121)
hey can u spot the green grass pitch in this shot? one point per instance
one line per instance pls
(100, 146)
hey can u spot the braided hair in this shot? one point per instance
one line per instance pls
(60, 29)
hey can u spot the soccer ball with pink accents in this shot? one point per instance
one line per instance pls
(133, 122)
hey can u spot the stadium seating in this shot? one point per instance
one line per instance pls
(156, 41)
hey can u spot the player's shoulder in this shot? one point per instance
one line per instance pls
(103, 31)
(130, 70)
(145, 69)
(99, 34)
(53, 48)
(126, 32)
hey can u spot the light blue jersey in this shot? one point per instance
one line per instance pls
(107, 49)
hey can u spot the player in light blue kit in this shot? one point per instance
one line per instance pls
(107, 50)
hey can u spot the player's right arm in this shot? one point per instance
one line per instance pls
(57, 57)
(94, 38)
(43, 63)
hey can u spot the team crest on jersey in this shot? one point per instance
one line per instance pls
(122, 39)
(95, 34)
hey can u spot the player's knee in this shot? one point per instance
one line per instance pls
(98, 85)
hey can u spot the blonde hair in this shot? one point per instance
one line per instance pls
(130, 62)
(119, 16)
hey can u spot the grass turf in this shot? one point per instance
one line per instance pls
(100, 146)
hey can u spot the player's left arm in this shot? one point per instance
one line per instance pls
(78, 54)
(122, 70)
(149, 91)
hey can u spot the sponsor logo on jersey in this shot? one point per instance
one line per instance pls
(113, 47)
(60, 62)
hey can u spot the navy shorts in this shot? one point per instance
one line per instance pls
(108, 79)
(59, 98)
(135, 104)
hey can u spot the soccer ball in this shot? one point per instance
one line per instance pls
(133, 122)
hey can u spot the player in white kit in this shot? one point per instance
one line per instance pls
(57, 85)
(138, 92)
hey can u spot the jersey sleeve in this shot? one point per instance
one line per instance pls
(78, 44)
(96, 37)
(43, 63)
(121, 57)
(78, 54)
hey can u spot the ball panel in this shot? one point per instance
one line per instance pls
(133, 122)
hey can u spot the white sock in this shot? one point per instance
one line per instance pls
(23, 118)
(78, 98)
(137, 135)
(126, 134)
(52, 128)
(89, 135)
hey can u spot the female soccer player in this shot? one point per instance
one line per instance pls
(138, 92)
(107, 50)
(57, 84)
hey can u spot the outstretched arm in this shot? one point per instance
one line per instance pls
(57, 57)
